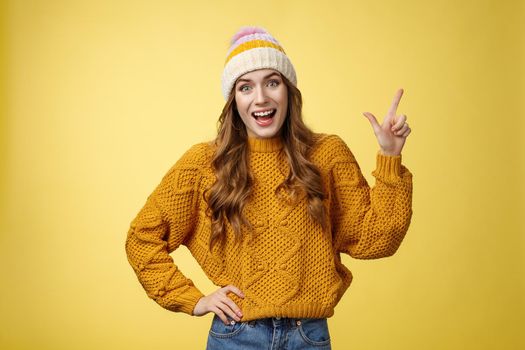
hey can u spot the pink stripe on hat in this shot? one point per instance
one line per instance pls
(247, 30)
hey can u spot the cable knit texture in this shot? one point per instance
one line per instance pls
(287, 266)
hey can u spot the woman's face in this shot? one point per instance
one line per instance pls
(262, 90)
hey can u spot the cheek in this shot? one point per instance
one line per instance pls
(241, 105)
(243, 114)
(244, 118)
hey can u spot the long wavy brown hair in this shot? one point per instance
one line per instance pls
(228, 196)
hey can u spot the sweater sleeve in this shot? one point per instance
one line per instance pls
(163, 223)
(369, 223)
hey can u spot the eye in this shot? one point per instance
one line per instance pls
(242, 87)
(276, 82)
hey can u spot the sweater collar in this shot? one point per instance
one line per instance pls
(271, 144)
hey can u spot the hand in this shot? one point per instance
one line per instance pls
(392, 134)
(219, 303)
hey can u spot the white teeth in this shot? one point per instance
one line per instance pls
(264, 113)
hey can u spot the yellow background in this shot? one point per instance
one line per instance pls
(99, 98)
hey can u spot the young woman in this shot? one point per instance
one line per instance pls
(267, 208)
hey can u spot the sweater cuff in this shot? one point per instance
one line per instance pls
(388, 167)
(185, 302)
(189, 300)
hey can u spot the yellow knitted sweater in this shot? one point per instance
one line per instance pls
(287, 266)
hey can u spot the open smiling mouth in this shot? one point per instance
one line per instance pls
(264, 118)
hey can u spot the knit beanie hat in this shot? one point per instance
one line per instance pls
(254, 48)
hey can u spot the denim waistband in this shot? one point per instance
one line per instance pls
(274, 322)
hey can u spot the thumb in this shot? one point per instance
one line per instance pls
(373, 121)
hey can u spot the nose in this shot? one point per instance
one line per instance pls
(260, 96)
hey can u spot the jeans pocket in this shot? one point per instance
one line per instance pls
(314, 331)
(220, 330)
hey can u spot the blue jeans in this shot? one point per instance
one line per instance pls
(272, 333)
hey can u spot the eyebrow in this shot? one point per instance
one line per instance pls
(266, 77)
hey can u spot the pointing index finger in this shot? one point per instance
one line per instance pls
(395, 102)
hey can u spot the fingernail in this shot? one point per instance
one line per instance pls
(239, 313)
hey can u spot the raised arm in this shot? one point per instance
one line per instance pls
(369, 223)
(162, 224)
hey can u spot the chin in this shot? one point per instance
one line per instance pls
(266, 134)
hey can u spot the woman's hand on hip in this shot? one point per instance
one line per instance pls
(219, 303)
(392, 134)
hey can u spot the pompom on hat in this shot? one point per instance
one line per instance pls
(253, 48)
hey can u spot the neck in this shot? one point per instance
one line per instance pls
(270, 144)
